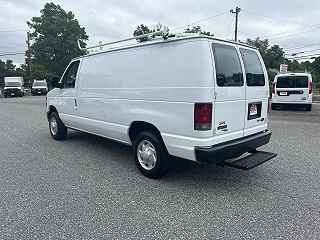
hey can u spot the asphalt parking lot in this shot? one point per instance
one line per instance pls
(87, 187)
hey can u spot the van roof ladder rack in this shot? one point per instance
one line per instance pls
(163, 33)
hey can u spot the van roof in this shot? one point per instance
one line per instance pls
(161, 40)
(293, 74)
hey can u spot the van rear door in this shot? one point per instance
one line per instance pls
(257, 93)
(285, 89)
(302, 88)
(229, 106)
(292, 88)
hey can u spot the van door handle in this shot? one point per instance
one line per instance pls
(75, 103)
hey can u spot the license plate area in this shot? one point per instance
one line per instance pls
(283, 94)
(254, 110)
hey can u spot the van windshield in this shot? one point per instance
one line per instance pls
(13, 84)
(292, 82)
(39, 84)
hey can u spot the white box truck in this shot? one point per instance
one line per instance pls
(13, 86)
(195, 97)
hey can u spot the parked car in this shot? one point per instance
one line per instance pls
(197, 98)
(292, 89)
(39, 87)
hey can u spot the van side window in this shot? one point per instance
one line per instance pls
(253, 67)
(228, 67)
(69, 78)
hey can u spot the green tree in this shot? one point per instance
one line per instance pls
(143, 29)
(273, 57)
(7, 69)
(197, 29)
(55, 35)
(262, 46)
(315, 70)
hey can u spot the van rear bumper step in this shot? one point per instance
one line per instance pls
(232, 149)
(249, 162)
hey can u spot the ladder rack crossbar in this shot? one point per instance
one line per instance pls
(162, 32)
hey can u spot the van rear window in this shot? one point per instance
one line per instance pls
(228, 68)
(253, 67)
(292, 82)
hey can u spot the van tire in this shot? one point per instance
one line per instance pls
(153, 142)
(57, 129)
(5, 95)
(308, 107)
(274, 106)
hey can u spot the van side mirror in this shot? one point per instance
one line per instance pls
(55, 82)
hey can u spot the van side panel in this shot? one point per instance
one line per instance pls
(158, 84)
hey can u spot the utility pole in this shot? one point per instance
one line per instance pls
(29, 56)
(236, 24)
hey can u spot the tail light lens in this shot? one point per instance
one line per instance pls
(310, 87)
(273, 87)
(202, 116)
(269, 105)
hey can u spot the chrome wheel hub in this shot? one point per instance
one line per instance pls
(53, 126)
(147, 155)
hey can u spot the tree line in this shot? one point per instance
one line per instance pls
(55, 33)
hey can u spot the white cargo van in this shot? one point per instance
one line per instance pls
(13, 86)
(197, 98)
(39, 87)
(292, 88)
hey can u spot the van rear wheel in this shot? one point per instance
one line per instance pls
(57, 129)
(274, 106)
(150, 155)
(309, 107)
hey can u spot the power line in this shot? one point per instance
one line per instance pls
(229, 28)
(11, 54)
(202, 20)
(13, 31)
(288, 35)
(278, 19)
(290, 31)
(304, 56)
(17, 45)
(304, 46)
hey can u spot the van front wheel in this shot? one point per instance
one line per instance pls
(57, 129)
(150, 154)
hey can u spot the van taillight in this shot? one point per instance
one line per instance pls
(273, 87)
(269, 107)
(202, 116)
(310, 87)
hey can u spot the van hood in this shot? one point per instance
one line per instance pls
(39, 87)
(5, 88)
